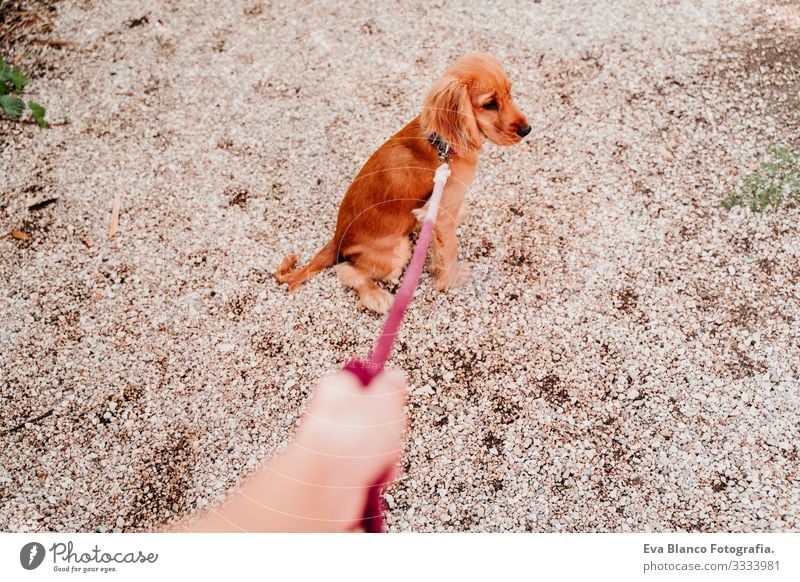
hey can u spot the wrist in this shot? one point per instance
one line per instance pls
(324, 493)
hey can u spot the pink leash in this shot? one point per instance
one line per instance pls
(372, 519)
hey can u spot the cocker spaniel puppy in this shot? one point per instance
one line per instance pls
(471, 102)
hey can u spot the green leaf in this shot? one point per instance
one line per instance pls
(770, 168)
(778, 180)
(782, 154)
(3, 89)
(5, 71)
(37, 114)
(774, 195)
(752, 182)
(18, 79)
(12, 106)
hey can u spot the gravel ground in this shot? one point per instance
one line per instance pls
(625, 357)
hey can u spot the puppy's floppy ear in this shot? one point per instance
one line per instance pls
(448, 112)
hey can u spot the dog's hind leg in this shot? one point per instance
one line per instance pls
(370, 295)
(383, 259)
(398, 261)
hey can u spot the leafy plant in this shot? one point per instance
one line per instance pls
(778, 180)
(12, 84)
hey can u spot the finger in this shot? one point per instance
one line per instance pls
(341, 382)
(391, 383)
(333, 390)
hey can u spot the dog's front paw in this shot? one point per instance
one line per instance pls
(456, 276)
(377, 300)
(393, 278)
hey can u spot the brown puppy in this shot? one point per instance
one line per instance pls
(469, 103)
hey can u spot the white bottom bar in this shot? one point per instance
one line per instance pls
(353, 557)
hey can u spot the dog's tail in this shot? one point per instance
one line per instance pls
(286, 273)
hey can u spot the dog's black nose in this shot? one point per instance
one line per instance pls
(523, 131)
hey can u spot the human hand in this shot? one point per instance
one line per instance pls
(353, 437)
(348, 438)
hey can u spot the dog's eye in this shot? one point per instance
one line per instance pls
(490, 104)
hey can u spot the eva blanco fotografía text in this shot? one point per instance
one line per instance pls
(712, 549)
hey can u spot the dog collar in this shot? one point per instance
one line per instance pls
(444, 149)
